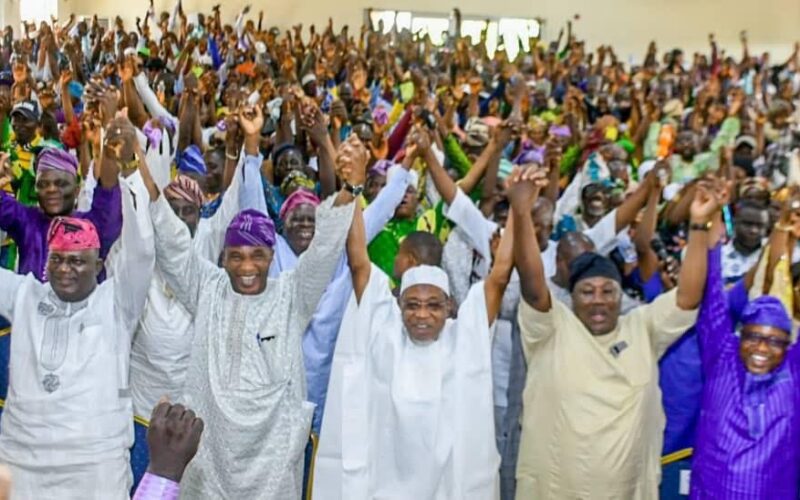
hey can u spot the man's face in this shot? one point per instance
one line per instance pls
(596, 302)
(288, 161)
(247, 268)
(425, 310)
(408, 207)
(373, 186)
(186, 211)
(24, 128)
(686, 145)
(73, 275)
(595, 202)
(56, 191)
(215, 166)
(762, 348)
(750, 228)
(299, 227)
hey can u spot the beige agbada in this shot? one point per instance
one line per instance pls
(592, 425)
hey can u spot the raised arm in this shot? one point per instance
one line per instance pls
(694, 270)
(132, 267)
(183, 269)
(314, 124)
(382, 208)
(334, 218)
(522, 193)
(495, 285)
(627, 212)
(357, 256)
(645, 230)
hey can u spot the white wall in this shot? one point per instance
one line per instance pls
(628, 25)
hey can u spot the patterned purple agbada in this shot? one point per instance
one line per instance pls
(748, 437)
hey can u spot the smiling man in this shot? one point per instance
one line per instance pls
(423, 421)
(748, 436)
(593, 419)
(245, 375)
(67, 424)
(57, 188)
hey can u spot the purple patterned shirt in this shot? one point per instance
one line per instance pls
(748, 438)
(154, 487)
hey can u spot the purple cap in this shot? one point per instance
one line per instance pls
(766, 311)
(250, 228)
(57, 159)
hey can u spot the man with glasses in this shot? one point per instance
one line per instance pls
(748, 437)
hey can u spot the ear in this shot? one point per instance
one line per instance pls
(99, 267)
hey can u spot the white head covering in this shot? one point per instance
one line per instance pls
(425, 275)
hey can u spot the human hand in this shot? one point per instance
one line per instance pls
(705, 204)
(351, 161)
(251, 120)
(173, 438)
(313, 121)
(524, 185)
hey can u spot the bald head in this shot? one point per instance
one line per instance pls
(570, 246)
(418, 248)
(542, 214)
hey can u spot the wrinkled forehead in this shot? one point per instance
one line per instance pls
(596, 283)
(423, 293)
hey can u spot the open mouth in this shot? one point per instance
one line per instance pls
(758, 360)
(306, 234)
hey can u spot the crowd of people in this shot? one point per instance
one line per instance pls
(241, 263)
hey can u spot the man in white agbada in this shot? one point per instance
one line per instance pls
(67, 425)
(245, 376)
(162, 343)
(409, 412)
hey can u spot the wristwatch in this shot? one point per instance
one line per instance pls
(354, 190)
(700, 227)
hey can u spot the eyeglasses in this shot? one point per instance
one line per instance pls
(415, 307)
(755, 339)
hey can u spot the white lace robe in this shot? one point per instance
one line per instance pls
(245, 376)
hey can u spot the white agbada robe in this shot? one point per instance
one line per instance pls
(408, 421)
(67, 426)
(163, 340)
(246, 378)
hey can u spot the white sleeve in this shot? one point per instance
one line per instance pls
(150, 100)
(316, 265)
(570, 200)
(251, 190)
(477, 229)
(133, 265)
(183, 270)
(382, 208)
(604, 234)
(9, 285)
(210, 239)
(86, 195)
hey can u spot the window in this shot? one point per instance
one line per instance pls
(501, 32)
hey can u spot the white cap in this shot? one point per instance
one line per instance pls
(425, 275)
(261, 47)
(308, 78)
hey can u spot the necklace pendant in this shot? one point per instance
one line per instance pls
(51, 382)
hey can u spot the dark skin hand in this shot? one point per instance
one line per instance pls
(173, 438)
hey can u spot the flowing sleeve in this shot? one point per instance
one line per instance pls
(150, 100)
(183, 269)
(211, 232)
(472, 222)
(536, 326)
(9, 285)
(250, 194)
(133, 266)
(316, 265)
(382, 208)
(714, 325)
(665, 321)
